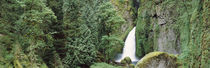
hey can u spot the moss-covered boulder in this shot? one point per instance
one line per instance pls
(127, 63)
(123, 62)
(131, 65)
(126, 60)
(158, 60)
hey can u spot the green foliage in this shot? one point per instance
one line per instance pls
(80, 50)
(102, 65)
(144, 39)
(73, 32)
(8, 8)
(193, 34)
(121, 1)
(126, 60)
(6, 48)
(8, 16)
(131, 66)
(31, 31)
(110, 46)
(124, 6)
(34, 29)
(188, 23)
(84, 29)
(80, 44)
(110, 22)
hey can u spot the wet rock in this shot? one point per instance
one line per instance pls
(167, 40)
(158, 60)
(127, 63)
(126, 60)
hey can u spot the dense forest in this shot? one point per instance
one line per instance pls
(90, 33)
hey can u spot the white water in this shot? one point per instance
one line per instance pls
(129, 49)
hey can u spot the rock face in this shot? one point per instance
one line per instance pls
(157, 60)
(176, 27)
(124, 9)
(166, 40)
(156, 27)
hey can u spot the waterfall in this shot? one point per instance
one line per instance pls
(129, 49)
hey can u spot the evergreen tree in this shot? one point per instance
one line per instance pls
(80, 45)
(29, 31)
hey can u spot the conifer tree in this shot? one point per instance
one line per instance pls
(79, 45)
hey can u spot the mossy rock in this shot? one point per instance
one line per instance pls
(158, 60)
(131, 65)
(123, 62)
(126, 60)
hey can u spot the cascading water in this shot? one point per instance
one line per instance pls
(129, 49)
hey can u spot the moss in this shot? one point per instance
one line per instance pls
(190, 25)
(127, 59)
(146, 60)
(144, 39)
(123, 62)
(146, 28)
(126, 62)
(120, 4)
(193, 33)
(131, 65)
(124, 35)
(124, 10)
(43, 66)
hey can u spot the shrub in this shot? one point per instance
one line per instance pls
(102, 65)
